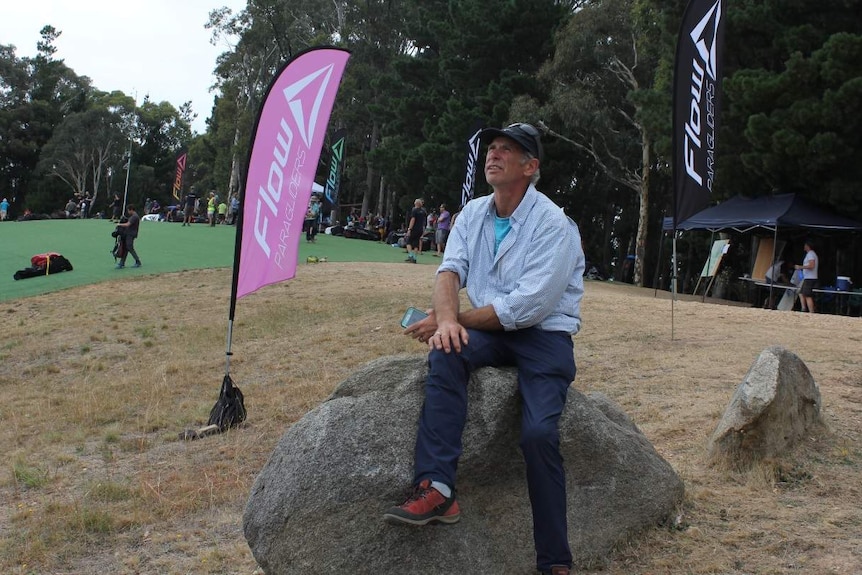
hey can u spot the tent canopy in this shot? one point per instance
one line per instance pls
(783, 210)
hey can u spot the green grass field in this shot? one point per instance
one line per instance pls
(162, 247)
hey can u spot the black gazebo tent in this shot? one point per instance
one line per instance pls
(771, 212)
(768, 212)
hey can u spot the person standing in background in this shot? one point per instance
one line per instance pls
(312, 218)
(415, 230)
(71, 208)
(810, 267)
(84, 206)
(211, 208)
(4, 210)
(116, 209)
(189, 206)
(442, 233)
(222, 212)
(233, 210)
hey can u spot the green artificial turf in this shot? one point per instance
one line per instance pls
(162, 247)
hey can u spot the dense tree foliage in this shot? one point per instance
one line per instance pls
(60, 136)
(594, 74)
(794, 99)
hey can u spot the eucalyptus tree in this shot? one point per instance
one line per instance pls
(36, 93)
(270, 32)
(374, 32)
(601, 80)
(421, 74)
(16, 146)
(468, 62)
(793, 101)
(81, 150)
(242, 74)
(266, 34)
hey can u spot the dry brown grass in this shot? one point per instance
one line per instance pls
(97, 382)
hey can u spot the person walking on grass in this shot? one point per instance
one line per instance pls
(129, 235)
(520, 259)
(415, 230)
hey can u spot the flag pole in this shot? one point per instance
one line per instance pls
(673, 279)
(129, 164)
(128, 171)
(237, 252)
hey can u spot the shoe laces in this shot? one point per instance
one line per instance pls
(416, 493)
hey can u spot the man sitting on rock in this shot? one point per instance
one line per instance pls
(520, 258)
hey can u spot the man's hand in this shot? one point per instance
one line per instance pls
(424, 328)
(447, 336)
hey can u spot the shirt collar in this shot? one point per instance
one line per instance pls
(524, 207)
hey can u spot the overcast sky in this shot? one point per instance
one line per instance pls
(155, 47)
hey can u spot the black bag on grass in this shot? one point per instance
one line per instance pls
(44, 265)
(229, 410)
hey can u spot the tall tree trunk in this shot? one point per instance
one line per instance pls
(390, 205)
(369, 177)
(607, 256)
(643, 213)
(233, 184)
(381, 195)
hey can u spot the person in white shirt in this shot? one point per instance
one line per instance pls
(809, 267)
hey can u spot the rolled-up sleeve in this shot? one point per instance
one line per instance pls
(456, 257)
(544, 278)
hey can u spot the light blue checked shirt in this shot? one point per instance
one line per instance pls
(535, 278)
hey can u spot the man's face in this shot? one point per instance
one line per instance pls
(503, 162)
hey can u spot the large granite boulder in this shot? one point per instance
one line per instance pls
(776, 405)
(317, 505)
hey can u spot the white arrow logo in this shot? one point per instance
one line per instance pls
(305, 118)
(708, 54)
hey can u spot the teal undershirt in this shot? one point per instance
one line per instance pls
(501, 228)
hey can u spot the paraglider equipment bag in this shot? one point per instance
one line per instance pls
(43, 265)
(229, 410)
(119, 235)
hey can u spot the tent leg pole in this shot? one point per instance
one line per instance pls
(774, 248)
(673, 285)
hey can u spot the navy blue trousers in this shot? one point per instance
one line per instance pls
(546, 367)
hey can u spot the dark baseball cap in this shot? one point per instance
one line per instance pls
(526, 135)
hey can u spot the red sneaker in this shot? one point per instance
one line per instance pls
(425, 505)
(557, 570)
